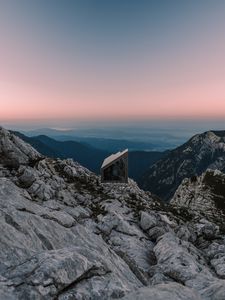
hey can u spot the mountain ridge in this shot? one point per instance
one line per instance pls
(202, 151)
(88, 156)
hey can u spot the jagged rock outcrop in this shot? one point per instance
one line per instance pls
(201, 152)
(64, 235)
(204, 195)
(13, 153)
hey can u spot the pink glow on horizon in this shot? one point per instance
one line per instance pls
(186, 80)
(28, 103)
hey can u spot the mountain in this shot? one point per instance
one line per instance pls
(201, 152)
(112, 145)
(204, 194)
(107, 138)
(37, 144)
(88, 156)
(65, 235)
(102, 143)
(139, 162)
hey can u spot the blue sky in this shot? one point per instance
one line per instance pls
(85, 60)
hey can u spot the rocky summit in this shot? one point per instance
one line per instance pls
(65, 235)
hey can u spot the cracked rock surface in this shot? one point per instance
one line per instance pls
(64, 235)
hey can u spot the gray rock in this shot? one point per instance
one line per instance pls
(155, 232)
(64, 235)
(169, 291)
(14, 151)
(219, 266)
(147, 220)
(185, 234)
(27, 177)
(206, 229)
(203, 196)
(6, 291)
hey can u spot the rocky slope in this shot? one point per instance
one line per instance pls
(64, 235)
(201, 152)
(204, 195)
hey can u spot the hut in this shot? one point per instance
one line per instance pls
(115, 168)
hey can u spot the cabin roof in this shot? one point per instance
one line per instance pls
(108, 160)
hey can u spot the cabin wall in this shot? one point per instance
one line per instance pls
(117, 171)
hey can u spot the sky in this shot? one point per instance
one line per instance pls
(112, 60)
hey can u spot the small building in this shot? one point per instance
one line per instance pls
(115, 168)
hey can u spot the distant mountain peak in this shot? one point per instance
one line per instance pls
(202, 151)
(209, 136)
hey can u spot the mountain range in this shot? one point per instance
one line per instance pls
(158, 172)
(113, 139)
(66, 235)
(88, 156)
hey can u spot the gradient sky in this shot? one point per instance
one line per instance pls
(118, 59)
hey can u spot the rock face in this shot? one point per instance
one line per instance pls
(201, 152)
(13, 153)
(204, 194)
(169, 291)
(64, 235)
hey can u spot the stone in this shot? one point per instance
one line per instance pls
(64, 235)
(169, 291)
(147, 221)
